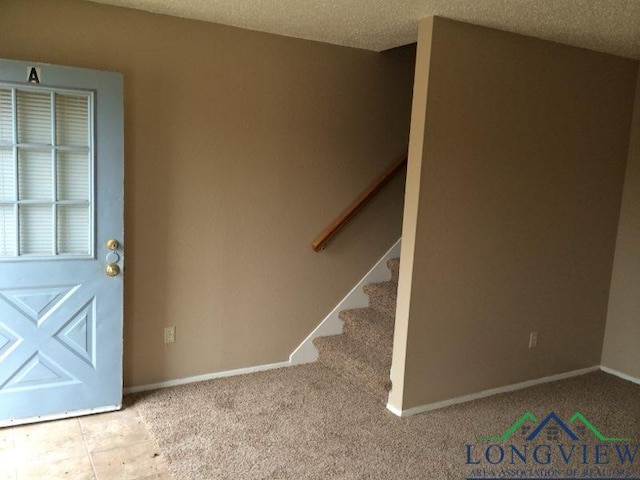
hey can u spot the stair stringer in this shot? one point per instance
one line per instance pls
(306, 352)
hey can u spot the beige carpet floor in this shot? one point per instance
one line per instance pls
(308, 423)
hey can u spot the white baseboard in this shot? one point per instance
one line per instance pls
(206, 376)
(306, 352)
(395, 410)
(621, 375)
(487, 393)
(392, 408)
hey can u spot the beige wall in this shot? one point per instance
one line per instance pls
(621, 350)
(525, 144)
(240, 148)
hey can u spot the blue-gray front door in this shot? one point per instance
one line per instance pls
(61, 200)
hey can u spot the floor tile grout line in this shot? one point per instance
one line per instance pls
(86, 447)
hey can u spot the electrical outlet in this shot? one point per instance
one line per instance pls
(533, 339)
(169, 334)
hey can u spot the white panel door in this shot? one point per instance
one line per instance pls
(61, 200)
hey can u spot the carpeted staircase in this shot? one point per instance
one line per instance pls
(362, 354)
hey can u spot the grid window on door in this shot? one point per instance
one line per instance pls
(46, 159)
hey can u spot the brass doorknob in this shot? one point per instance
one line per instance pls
(112, 269)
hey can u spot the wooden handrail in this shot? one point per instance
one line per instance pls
(321, 241)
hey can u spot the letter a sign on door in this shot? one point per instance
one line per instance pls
(34, 75)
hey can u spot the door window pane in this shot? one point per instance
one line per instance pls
(36, 230)
(73, 236)
(34, 117)
(7, 175)
(8, 228)
(73, 175)
(6, 116)
(35, 174)
(72, 120)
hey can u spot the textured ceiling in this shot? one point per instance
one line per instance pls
(611, 26)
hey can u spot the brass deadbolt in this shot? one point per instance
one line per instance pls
(113, 244)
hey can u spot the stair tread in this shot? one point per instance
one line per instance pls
(358, 352)
(382, 296)
(364, 367)
(387, 286)
(393, 263)
(370, 326)
(370, 315)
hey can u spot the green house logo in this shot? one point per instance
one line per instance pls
(552, 422)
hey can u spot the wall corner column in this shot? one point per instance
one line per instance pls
(410, 216)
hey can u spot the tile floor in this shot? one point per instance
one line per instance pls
(113, 445)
